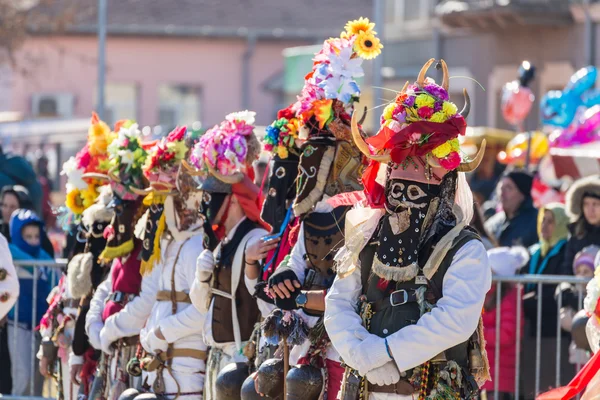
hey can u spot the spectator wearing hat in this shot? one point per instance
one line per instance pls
(515, 225)
(504, 261)
(583, 207)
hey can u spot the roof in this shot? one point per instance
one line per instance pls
(302, 19)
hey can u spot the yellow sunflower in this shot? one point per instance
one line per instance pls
(89, 196)
(74, 201)
(367, 45)
(358, 26)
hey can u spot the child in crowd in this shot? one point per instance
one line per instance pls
(504, 261)
(26, 229)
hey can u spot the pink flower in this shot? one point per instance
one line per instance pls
(415, 137)
(177, 134)
(395, 126)
(451, 161)
(425, 112)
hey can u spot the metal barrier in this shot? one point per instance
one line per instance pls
(539, 281)
(520, 281)
(54, 277)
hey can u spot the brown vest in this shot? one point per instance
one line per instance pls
(247, 309)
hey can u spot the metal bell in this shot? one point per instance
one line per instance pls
(134, 367)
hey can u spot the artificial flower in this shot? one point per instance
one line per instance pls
(343, 64)
(358, 26)
(83, 158)
(74, 174)
(410, 101)
(98, 133)
(438, 117)
(247, 116)
(455, 144)
(177, 134)
(323, 111)
(340, 88)
(424, 100)
(442, 150)
(367, 45)
(88, 196)
(425, 112)
(436, 91)
(74, 201)
(282, 152)
(451, 161)
(449, 108)
(126, 157)
(388, 111)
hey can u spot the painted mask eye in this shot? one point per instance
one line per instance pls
(415, 193)
(397, 190)
(272, 192)
(206, 197)
(280, 173)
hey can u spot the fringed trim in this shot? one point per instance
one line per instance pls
(483, 376)
(317, 193)
(395, 273)
(147, 266)
(111, 253)
(443, 246)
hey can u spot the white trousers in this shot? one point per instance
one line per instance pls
(21, 356)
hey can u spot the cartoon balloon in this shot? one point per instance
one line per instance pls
(517, 98)
(585, 129)
(516, 149)
(559, 108)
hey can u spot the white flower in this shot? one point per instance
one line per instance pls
(69, 166)
(246, 116)
(231, 156)
(131, 132)
(74, 175)
(126, 156)
(113, 148)
(343, 65)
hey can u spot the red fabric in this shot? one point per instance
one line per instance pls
(577, 385)
(126, 278)
(402, 145)
(335, 373)
(88, 370)
(248, 195)
(346, 199)
(373, 190)
(508, 339)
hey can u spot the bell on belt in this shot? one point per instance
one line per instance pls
(134, 367)
(476, 360)
(129, 394)
(249, 391)
(229, 381)
(269, 378)
(304, 382)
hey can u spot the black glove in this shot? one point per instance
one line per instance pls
(280, 276)
(259, 292)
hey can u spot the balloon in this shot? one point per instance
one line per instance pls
(516, 102)
(560, 107)
(585, 129)
(516, 149)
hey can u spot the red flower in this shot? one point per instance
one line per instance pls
(425, 112)
(177, 134)
(451, 161)
(286, 113)
(83, 158)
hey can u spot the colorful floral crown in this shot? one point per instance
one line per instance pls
(227, 149)
(281, 135)
(330, 89)
(127, 156)
(421, 122)
(92, 159)
(165, 157)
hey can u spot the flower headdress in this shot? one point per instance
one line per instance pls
(82, 190)
(281, 135)
(164, 160)
(127, 156)
(227, 150)
(421, 123)
(331, 88)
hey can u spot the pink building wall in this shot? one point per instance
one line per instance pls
(68, 64)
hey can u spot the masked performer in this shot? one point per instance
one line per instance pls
(417, 273)
(127, 156)
(230, 202)
(330, 166)
(170, 327)
(57, 327)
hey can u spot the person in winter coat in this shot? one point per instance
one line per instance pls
(9, 293)
(505, 261)
(583, 207)
(25, 230)
(547, 258)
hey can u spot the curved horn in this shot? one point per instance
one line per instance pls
(421, 78)
(191, 169)
(362, 119)
(95, 175)
(231, 180)
(474, 163)
(404, 87)
(465, 111)
(141, 192)
(113, 177)
(446, 76)
(362, 145)
(433, 162)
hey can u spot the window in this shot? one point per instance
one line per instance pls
(52, 105)
(178, 105)
(47, 107)
(407, 10)
(121, 102)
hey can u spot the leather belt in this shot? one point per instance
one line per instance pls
(152, 363)
(401, 387)
(180, 297)
(120, 297)
(71, 303)
(397, 298)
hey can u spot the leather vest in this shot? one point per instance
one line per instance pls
(387, 318)
(247, 309)
(323, 237)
